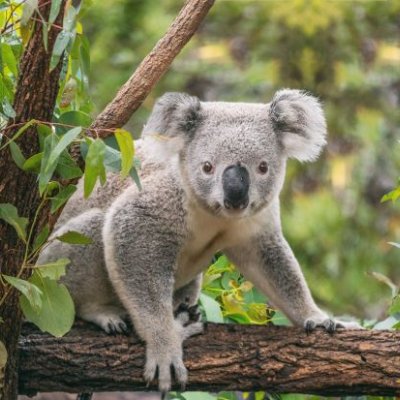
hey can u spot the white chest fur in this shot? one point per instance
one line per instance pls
(209, 234)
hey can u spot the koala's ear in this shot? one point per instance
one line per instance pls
(298, 120)
(174, 119)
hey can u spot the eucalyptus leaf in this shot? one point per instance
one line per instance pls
(17, 155)
(94, 166)
(54, 10)
(8, 58)
(9, 214)
(31, 292)
(33, 163)
(57, 313)
(29, 8)
(63, 143)
(53, 270)
(62, 197)
(211, 308)
(47, 169)
(67, 167)
(61, 43)
(41, 238)
(125, 143)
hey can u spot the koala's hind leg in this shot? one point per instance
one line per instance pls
(86, 277)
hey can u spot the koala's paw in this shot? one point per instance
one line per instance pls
(189, 318)
(163, 361)
(186, 314)
(112, 324)
(329, 324)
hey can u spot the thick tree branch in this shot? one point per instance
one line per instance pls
(153, 67)
(226, 357)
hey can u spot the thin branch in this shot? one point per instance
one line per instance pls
(153, 67)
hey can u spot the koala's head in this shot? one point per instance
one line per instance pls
(232, 156)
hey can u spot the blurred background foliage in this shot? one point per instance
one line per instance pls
(345, 52)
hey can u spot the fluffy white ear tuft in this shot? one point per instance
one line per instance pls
(298, 120)
(172, 124)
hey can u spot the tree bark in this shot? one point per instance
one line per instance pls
(225, 357)
(34, 99)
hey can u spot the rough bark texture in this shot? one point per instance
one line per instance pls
(35, 98)
(225, 357)
(151, 69)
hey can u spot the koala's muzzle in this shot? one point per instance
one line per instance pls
(236, 182)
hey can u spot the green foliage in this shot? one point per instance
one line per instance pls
(228, 297)
(56, 315)
(44, 301)
(9, 214)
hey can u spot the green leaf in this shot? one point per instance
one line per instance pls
(198, 396)
(54, 10)
(41, 238)
(3, 355)
(33, 163)
(53, 270)
(73, 237)
(17, 155)
(64, 142)
(62, 41)
(393, 195)
(9, 214)
(47, 169)
(57, 313)
(77, 118)
(62, 197)
(29, 8)
(112, 159)
(31, 292)
(94, 166)
(134, 175)
(19, 132)
(67, 167)
(9, 58)
(212, 309)
(125, 143)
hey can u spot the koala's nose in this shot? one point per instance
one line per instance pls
(236, 183)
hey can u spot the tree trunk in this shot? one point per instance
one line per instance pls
(34, 99)
(225, 357)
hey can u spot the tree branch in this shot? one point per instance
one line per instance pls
(225, 357)
(153, 67)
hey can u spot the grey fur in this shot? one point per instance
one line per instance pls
(152, 245)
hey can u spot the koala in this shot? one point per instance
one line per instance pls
(211, 177)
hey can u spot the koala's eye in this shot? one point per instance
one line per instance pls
(208, 168)
(263, 167)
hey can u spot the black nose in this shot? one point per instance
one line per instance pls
(236, 182)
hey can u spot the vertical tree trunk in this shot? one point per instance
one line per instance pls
(35, 98)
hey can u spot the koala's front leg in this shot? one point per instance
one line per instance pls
(270, 264)
(140, 252)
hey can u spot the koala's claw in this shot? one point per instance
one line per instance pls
(163, 371)
(114, 324)
(328, 324)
